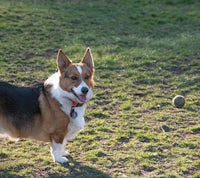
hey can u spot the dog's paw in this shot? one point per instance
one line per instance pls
(65, 153)
(61, 160)
(70, 139)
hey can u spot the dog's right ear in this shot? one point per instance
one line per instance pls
(63, 61)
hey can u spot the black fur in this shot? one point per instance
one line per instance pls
(20, 104)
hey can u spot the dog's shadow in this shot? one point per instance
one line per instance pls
(73, 168)
(78, 170)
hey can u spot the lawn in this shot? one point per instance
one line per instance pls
(145, 53)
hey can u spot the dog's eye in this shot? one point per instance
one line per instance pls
(87, 77)
(74, 78)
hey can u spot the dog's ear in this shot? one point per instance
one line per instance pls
(87, 59)
(63, 61)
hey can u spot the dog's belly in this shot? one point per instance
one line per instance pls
(5, 133)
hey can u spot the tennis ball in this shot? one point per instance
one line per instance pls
(178, 101)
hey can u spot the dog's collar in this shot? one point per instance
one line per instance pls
(73, 113)
(76, 104)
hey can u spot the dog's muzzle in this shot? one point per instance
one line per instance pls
(82, 98)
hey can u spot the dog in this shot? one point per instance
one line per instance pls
(52, 111)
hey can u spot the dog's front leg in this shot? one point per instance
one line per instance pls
(63, 151)
(74, 127)
(57, 152)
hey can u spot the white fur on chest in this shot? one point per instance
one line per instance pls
(76, 124)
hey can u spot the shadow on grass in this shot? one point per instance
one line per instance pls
(73, 169)
(81, 171)
(78, 170)
(8, 174)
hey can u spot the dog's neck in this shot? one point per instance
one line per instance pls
(67, 105)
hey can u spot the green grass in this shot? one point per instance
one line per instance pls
(145, 53)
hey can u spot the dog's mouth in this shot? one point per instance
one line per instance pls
(82, 98)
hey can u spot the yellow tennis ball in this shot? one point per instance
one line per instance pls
(178, 101)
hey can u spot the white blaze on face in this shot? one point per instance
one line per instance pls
(79, 70)
(78, 90)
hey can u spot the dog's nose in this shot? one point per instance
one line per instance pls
(84, 90)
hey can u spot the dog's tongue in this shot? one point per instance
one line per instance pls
(82, 98)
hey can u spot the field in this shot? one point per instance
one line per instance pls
(145, 53)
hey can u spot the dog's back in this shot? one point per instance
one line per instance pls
(18, 106)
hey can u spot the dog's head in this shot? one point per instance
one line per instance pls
(76, 78)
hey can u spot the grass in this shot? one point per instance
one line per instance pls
(145, 53)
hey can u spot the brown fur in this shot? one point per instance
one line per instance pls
(53, 121)
(50, 125)
(66, 83)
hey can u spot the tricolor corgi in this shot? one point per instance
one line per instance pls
(52, 111)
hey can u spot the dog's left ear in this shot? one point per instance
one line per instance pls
(87, 59)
